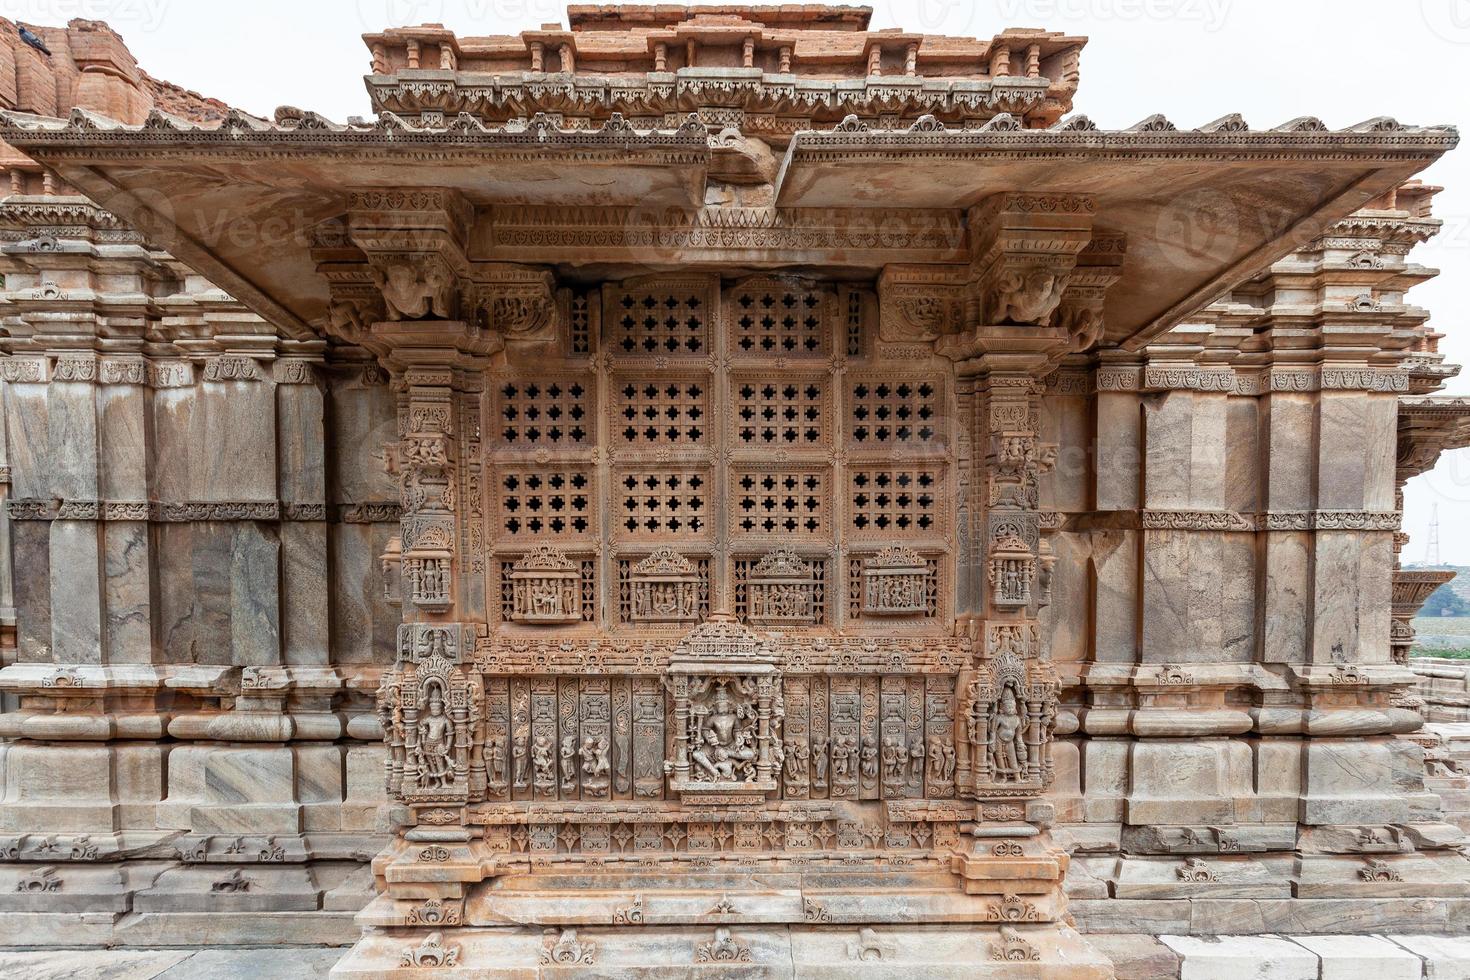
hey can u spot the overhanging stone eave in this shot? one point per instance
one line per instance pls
(1275, 190)
(238, 202)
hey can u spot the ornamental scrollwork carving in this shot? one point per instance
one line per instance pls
(432, 952)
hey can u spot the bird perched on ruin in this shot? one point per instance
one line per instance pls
(33, 39)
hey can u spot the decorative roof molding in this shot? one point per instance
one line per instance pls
(239, 132)
(1154, 134)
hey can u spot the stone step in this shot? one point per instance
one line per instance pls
(1358, 957)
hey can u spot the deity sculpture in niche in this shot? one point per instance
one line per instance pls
(782, 591)
(1009, 704)
(432, 730)
(1008, 755)
(1012, 568)
(435, 741)
(894, 583)
(664, 589)
(546, 588)
(727, 714)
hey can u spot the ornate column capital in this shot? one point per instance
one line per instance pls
(1034, 285)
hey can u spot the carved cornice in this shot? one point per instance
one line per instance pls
(166, 512)
(1295, 140)
(240, 134)
(938, 234)
(1156, 519)
(766, 101)
(796, 654)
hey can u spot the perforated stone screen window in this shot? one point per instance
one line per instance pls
(661, 412)
(545, 500)
(893, 412)
(782, 502)
(580, 322)
(894, 500)
(552, 413)
(780, 411)
(778, 320)
(854, 324)
(723, 421)
(657, 502)
(659, 320)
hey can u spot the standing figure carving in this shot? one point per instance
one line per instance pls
(435, 743)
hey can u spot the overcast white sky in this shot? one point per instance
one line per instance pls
(1193, 60)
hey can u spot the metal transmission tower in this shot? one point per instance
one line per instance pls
(1431, 549)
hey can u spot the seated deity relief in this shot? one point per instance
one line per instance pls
(665, 589)
(728, 711)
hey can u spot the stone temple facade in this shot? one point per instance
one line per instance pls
(709, 492)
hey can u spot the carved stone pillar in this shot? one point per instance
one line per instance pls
(1009, 700)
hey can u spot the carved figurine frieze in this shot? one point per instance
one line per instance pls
(546, 588)
(895, 583)
(665, 589)
(782, 591)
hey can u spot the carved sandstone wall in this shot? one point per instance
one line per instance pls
(654, 576)
(191, 569)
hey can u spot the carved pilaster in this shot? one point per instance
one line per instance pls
(1008, 701)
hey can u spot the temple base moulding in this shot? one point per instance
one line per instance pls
(1041, 951)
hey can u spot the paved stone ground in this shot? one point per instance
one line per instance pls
(1135, 957)
(169, 964)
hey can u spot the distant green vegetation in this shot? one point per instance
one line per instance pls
(1445, 602)
(1442, 636)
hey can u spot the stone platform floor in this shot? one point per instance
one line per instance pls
(1135, 957)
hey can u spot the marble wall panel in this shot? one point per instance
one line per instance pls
(1286, 596)
(364, 625)
(233, 443)
(305, 592)
(30, 556)
(1114, 569)
(1357, 440)
(57, 788)
(128, 592)
(124, 446)
(1119, 451)
(1290, 440)
(72, 433)
(76, 592)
